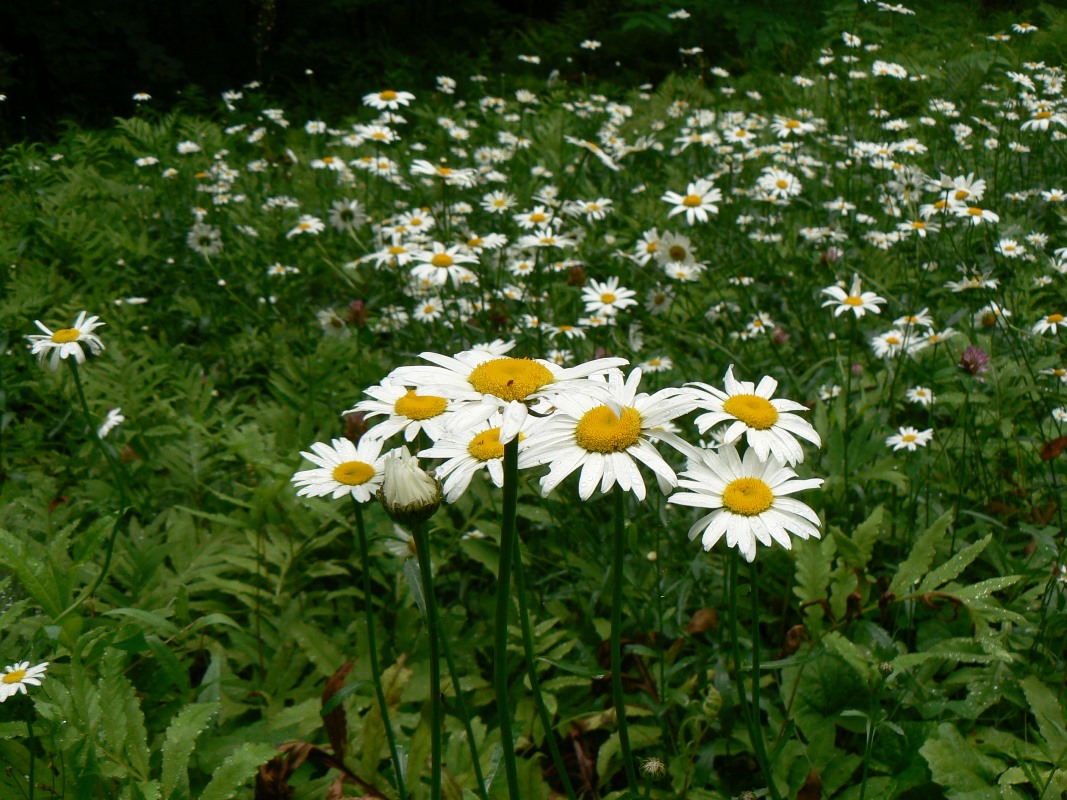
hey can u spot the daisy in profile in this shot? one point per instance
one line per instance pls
(855, 300)
(749, 499)
(483, 384)
(769, 426)
(67, 341)
(387, 99)
(343, 468)
(908, 438)
(1050, 323)
(471, 450)
(307, 224)
(608, 436)
(408, 411)
(18, 676)
(697, 202)
(607, 297)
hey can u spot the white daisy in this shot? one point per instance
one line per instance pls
(608, 436)
(856, 300)
(607, 297)
(908, 438)
(387, 99)
(483, 384)
(471, 450)
(18, 676)
(343, 468)
(407, 411)
(441, 263)
(749, 500)
(67, 341)
(767, 423)
(697, 202)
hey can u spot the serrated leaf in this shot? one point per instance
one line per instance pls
(122, 722)
(952, 568)
(318, 647)
(178, 745)
(1048, 712)
(849, 652)
(957, 766)
(921, 556)
(237, 770)
(813, 560)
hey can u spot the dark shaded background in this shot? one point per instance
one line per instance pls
(81, 60)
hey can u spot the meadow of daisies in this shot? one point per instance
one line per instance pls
(522, 440)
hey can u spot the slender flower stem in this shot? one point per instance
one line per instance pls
(368, 610)
(32, 742)
(750, 711)
(503, 593)
(531, 671)
(422, 545)
(616, 642)
(464, 714)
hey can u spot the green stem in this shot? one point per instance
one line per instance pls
(503, 591)
(464, 714)
(33, 750)
(116, 469)
(531, 671)
(422, 545)
(750, 711)
(616, 642)
(368, 610)
(755, 706)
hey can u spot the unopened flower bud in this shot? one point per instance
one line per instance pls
(409, 494)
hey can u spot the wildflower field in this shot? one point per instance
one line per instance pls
(529, 439)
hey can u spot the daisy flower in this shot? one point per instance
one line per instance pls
(768, 425)
(856, 300)
(483, 384)
(749, 500)
(67, 341)
(307, 224)
(113, 419)
(441, 263)
(1050, 323)
(908, 438)
(697, 202)
(920, 395)
(607, 297)
(608, 436)
(18, 676)
(387, 99)
(470, 451)
(343, 468)
(408, 411)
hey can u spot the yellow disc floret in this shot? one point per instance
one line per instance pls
(853, 300)
(13, 677)
(442, 260)
(387, 95)
(747, 497)
(510, 378)
(756, 412)
(353, 473)
(66, 335)
(601, 431)
(414, 406)
(486, 445)
(692, 200)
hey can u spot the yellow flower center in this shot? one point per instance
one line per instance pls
(442, 260)
(1042, 115)
(600, 431)
(445, 171)
(477, 241)
(66, 336)
(537, 216)
(353, 473)
(853, 300)
(692, 200)
(486, 445)
(792, 123)
(607, 298)
(974, 211)
(781, 183)
(413, 406)
(756, 412)
(918, 225)
(908, 437)
(677, 253)
(387, 95)
(397, 249)
(13, 677)
(747, 496)
(499, 203)
(1055, 319)
(510, 378)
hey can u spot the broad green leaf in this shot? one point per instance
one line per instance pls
(317, 646)
(237, 770)
(853, 656)
(178, 745)
(1048, 712)
(952, 568)
(921, 556)
(958, 767)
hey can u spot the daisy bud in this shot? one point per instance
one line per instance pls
(409, 494)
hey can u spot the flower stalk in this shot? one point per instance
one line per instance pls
(503, 594)
(618, 698)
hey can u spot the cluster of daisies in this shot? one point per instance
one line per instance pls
(591, 419)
